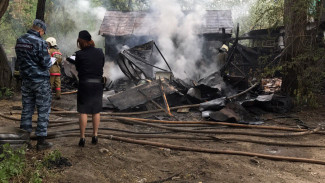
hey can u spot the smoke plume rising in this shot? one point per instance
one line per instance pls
(177, 35)
(79, 15)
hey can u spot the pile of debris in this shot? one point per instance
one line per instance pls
(215, 93)
(220, 97)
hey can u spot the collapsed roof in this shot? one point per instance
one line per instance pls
(118, 23)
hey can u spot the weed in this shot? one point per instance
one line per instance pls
(14, 167)
(52, 158)
(12, 163)
(6, 92)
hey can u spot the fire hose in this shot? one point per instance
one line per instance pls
(124, 113)
(67, 122)
(242, 153)
(205, 150)
(169, 136)
(264, 134)
(209, 123)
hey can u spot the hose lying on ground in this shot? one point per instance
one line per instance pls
(263, 134)
(180, 122)
(241, 153)
(124, 113)
(70, 92)
(303, 131)
(142, 135)
(212, 151)
(210, 123)
(18, 119)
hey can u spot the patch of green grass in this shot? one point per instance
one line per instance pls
(12, 162)
(15, 167)
(52, 158)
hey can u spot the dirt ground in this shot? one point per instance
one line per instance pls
(116, 161)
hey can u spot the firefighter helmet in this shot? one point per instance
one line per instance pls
(52, 41)
(225, 47)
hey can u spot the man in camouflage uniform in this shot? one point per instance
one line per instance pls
(55, 71)
(34, 63)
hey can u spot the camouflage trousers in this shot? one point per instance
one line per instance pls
(36, 94)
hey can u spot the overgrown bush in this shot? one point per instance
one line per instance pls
(310, 69)
(12, 162)
(15, 167)
(311, 76)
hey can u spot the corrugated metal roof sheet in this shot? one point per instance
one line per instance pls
(118, 23)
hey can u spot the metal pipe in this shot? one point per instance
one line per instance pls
(163, 57)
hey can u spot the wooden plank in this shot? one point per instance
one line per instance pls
(132, 98)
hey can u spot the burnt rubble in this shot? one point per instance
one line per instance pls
(221, 96)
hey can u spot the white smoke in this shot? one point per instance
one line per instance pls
(81, 16)
(84, 6)
(177, 35)
(112, 71)
(176, 31)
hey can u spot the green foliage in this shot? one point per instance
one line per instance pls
(311, 75)
(122, 5)
(12, 163)
(52, 158)
(6, 92)
(266, 14)
(309, 67)
(16, 21)
(270, 13)
(36, 177)
(14, 167)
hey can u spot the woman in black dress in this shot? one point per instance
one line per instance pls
(89, 64)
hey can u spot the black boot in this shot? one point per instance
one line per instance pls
(82, 142)
(42, 144)
(94, 140)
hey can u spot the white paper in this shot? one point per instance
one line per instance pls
(53, 60)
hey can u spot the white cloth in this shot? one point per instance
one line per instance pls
(53, 60)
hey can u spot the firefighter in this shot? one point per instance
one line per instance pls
(34, 63)
(222, 55)
(55, 71)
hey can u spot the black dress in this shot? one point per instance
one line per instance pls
(89, 64)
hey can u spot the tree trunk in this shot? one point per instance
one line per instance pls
(40, 9)
(130, 5)
(5, 71)
(295, 22)
(3, 7)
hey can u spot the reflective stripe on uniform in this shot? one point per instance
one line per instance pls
(54, 53)
(55, 74)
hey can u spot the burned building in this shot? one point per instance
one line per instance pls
(270, 39)
(127, 28)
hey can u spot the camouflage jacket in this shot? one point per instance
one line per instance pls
(32, 56)
(55, 69)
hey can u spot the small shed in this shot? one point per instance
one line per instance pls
(126, 28)
(271, 38)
